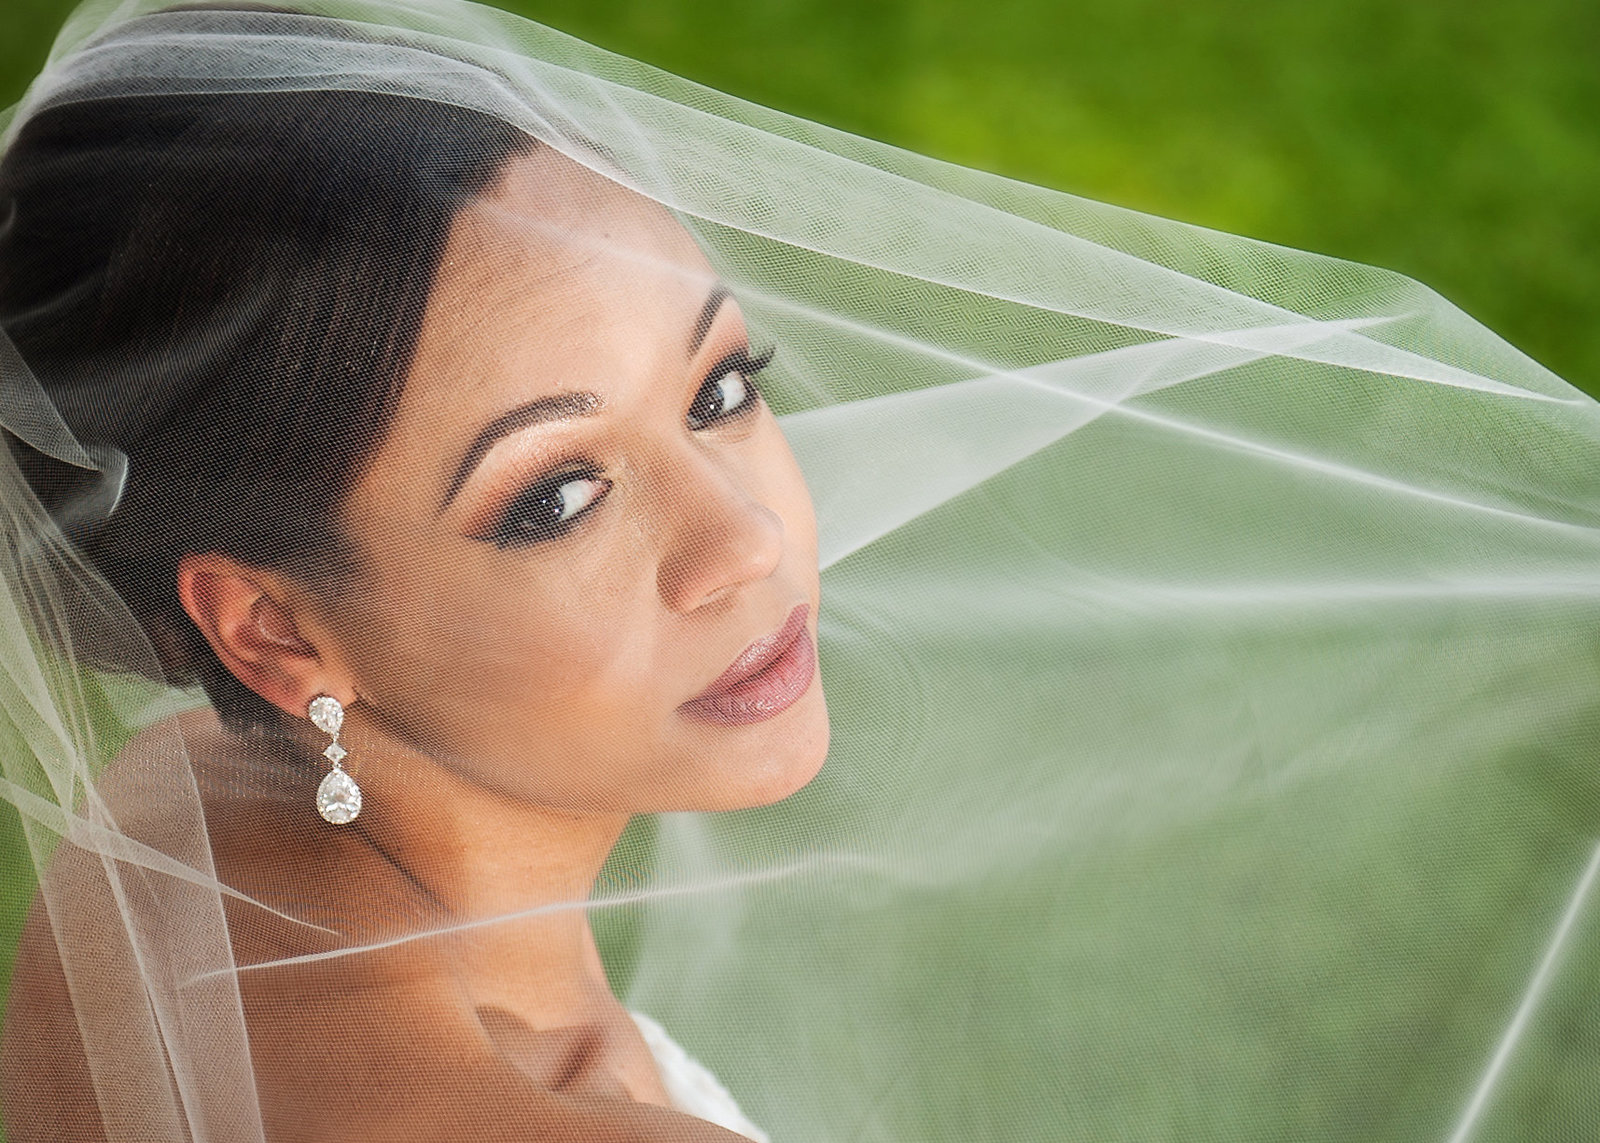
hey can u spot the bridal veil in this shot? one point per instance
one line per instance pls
(1212, 633)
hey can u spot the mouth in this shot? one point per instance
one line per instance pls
(766, 679)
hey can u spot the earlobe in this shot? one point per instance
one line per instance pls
(245, 617)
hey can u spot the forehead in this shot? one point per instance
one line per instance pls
(548, 217)
(555, 279)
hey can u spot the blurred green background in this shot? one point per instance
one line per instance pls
(1452, 140)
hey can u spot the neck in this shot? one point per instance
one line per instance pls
(485, 857)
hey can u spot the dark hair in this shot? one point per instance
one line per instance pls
(228, 289)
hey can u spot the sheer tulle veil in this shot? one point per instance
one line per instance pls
(1211, 633)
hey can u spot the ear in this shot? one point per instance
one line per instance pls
(262, 631)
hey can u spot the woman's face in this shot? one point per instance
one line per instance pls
(588, 560)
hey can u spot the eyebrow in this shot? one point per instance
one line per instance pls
(708, 314)
(563, 406)
(560, 407)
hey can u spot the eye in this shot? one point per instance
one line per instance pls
(729, 390)
(548, 509)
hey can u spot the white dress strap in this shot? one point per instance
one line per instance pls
(691, 1087)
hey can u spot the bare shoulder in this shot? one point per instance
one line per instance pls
(194, 804)
(358, 1027)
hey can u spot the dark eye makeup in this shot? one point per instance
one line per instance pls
(549, 508)
(553, 505)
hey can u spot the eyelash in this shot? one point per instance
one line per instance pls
(534, 516)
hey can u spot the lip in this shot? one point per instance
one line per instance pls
(766, 679)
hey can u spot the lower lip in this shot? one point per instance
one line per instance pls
(761, 696)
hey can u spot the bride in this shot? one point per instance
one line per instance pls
(517, 519)
(401, 508)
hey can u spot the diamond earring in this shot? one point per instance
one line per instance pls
(338, 798)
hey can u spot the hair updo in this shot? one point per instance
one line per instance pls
(228, 289)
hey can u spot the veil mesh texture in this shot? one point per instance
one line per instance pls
(1210, 630)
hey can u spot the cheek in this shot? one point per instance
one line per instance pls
(526, 672)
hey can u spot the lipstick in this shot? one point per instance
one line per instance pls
(766, 679)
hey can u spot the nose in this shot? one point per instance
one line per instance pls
(723, 538)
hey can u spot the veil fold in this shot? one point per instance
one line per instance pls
(1211, 632)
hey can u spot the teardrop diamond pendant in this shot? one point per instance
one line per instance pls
(338, 797)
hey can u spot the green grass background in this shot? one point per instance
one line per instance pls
(1457, 141)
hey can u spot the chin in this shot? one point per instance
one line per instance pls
(781, 763)
(792, 773)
